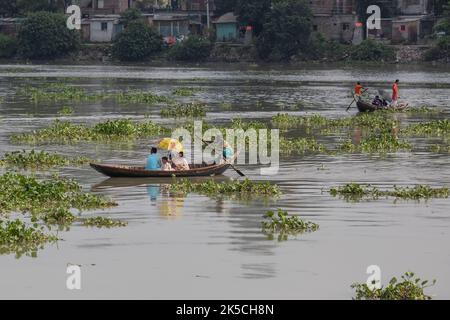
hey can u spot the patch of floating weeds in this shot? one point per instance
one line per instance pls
(376, 143)
(245, 125)
(59, 216)
(16, 237)
(189, 110)
(240, 188)
(284, 225)
(226, 106)
(300, 146)
(439, 148)
(68, 132)
(137, 96)
(433, 128)
(20, 193)
(39, 160)
(409, 288)
(102, 222)
(186, 91)
(356, 192)
(55, 92)
(373, 120)
(65, 111)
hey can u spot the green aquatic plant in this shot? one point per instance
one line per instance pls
(212, 188)
(376, 143)
(16, 237)
(300, 146)
(39, 160)
(55, 92)
(186, 91)
(66, 111)
(189, 110)
(102, 222)
(27, 194)
(409, 288)
(435, 128)
(68, 132)
(284, 225)
(58, 216)
(246, 124)
(137, 96)
(355, 191)
(439, 148)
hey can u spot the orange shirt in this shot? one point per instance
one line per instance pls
(395, 91)
(358, 89)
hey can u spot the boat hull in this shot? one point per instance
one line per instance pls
(115, 171)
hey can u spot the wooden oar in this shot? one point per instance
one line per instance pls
(354, 100)
(239, 172)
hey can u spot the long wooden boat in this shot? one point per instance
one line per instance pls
(140, 172)
(368, 107)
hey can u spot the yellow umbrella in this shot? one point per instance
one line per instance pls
(171, 145)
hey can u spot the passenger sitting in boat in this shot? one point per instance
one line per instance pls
(180, 162)
(377, 101)
(228, 152)
(166, 165)
(153, 160)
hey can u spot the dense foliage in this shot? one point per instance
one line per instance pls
(286, 30)
(253, 13)
(138, 42)
(8, 46)
(193, 49)
(12, 8)
(370, 50)
(44, 35)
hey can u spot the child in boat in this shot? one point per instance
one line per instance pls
(377, 102)
(166, 165)
(180, 162)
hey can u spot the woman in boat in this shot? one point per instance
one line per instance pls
(228, 152)
(180, 162)
(153, 160)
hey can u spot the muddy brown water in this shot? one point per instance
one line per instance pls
(198, 247)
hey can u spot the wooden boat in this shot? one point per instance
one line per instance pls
(140, 172)
(368, 107)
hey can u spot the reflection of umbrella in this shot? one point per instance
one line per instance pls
(171, 145)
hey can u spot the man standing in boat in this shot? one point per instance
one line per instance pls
(395, 94)
(358, 89)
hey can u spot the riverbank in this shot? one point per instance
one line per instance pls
(94, 54)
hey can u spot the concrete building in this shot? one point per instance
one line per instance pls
(335, 19)
(96, 7)
(227, 28)
(102, 28)
(415, 7)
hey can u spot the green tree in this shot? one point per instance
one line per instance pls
(253, 12)
(286, 31)
(44, 35)
(224, 6)
(8, 46)
(193, 49)
(138, 42)
(8, 8)
(131, 14)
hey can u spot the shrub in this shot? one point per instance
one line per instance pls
(44, 35)
(138, 42)
(440, 51)
(193, 49)
(8, 46)
(370, 50)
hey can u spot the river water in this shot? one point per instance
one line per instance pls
(198, 247)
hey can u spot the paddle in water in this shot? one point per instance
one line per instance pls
(239, 172)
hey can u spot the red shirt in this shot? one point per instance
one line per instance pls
(358, 89)
(395, 92)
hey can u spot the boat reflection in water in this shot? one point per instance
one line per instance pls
(169, 205)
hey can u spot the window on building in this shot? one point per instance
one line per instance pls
(402, 27)
(346, 26)
(315, 28)
(100, 4)
(104, 26)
